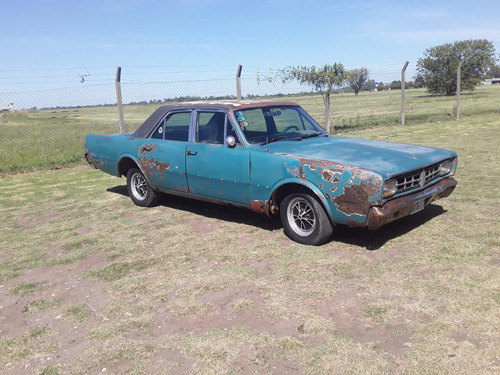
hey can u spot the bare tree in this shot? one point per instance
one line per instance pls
(324, 79)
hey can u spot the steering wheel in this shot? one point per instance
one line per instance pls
(290, 128)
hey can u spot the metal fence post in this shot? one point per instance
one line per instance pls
(119, 98)
(459, 79)
(238, 82)
(403, 87)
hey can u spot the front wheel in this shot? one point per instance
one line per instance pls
(139, 190)
(304, 219)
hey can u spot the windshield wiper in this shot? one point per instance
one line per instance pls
(281, 138)
(310, 135)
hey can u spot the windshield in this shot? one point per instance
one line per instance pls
(271, 124)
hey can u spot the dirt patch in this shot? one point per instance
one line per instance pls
(201, 227)
(28, 223)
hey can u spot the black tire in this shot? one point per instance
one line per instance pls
(305, 220)
(139, 190)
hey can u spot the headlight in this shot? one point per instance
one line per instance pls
(445, 167)
(389, 188)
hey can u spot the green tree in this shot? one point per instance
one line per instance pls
(395, 85)
(439, 67)
(381, 87)
(419, 82)
(369, 85)
(324, 79)
(356, 78)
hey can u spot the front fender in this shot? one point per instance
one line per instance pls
(346, 191)
(289, 183)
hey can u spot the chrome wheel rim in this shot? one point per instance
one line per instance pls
(139, 186)
(300, 215)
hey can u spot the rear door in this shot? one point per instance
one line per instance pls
(162, 156)
(215, 169)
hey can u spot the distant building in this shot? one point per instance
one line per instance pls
(492, 81)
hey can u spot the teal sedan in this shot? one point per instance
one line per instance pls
(273, 158)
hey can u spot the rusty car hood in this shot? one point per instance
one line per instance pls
(384, 158)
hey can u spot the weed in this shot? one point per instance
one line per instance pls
(77, 312)
(22, 289)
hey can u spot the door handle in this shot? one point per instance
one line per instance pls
(192, 153)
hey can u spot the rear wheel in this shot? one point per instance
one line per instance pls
(139, 190)
(304, 219)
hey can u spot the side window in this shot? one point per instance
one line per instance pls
(174, 127)
(177, 126)
(210, 127)
(158, 133)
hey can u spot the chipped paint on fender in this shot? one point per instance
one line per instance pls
(349, 190)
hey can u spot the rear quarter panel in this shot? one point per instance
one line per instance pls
(104, 151)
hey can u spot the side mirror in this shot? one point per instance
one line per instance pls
(230, 141)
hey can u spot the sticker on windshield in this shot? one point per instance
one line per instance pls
(242, 120)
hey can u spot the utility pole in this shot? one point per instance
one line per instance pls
(119, 98)
(403, 86)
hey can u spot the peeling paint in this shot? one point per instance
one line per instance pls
(354, 201)
(92, 159)
(153, 165)
(260, 207)
(146, 149)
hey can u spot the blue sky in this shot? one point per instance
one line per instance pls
(59, 40)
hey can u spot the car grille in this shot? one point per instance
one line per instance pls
(417, 179)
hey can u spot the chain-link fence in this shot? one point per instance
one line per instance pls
(46, 128)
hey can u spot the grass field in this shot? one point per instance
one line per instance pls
(90, 283)
(42, 139)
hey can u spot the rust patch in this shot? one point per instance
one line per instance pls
(153, 164)
(91, 159)
(183, 188)
(146, 149)
(260, 207)
(355, 224)
(354, 201)
(328, 175)
(295, 172)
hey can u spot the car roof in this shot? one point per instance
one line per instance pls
(226, 105)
